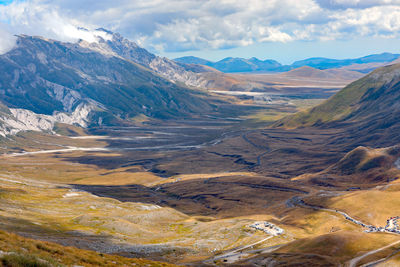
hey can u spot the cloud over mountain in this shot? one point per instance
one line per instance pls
(7, 40)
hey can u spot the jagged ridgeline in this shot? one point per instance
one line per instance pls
(93, 83)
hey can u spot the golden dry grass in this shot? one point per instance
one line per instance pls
(372, 206)
(56, 255)
(47, 167)
(32, 198)
(34, 201)
(341, 246)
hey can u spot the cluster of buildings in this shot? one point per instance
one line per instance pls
(268, 228)
(391, 226)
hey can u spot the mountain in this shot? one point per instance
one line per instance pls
(89, 84)
(229, 64)
(310, 72)
(320, 63)
(115, 44)
(383, 57)
(368, 109)
(327, 63)
(194, 60)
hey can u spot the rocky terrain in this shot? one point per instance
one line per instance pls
(104, 148)
(46, 82)
(110, 43)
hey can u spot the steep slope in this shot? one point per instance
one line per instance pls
(110, 43)
(372, 98)
(14, 120)
(48, 77)
(20, 251)
(365, 68)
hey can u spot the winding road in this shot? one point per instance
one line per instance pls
(297, 201)
(353, 262)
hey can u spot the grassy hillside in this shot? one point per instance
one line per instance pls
(350, 101)
(18, 251)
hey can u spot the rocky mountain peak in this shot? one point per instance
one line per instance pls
(114, 44)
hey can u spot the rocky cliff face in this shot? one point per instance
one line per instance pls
(46, 81)
(15, 120)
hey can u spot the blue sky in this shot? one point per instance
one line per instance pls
(5, 2)
(284, 30)
(287, 53)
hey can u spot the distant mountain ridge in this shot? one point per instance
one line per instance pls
(231, 65)
(327, 63)
(310, 72)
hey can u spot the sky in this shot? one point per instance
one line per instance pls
(284, 30)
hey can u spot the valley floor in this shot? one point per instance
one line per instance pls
(189, 192)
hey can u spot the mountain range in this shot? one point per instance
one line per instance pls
(253, 64)
(44, 82)
(112, 80)
(164, 170)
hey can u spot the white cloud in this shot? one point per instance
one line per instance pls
(37, 18)
(177, 25)
(7, 40)
(374, 21)
(344, 4)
